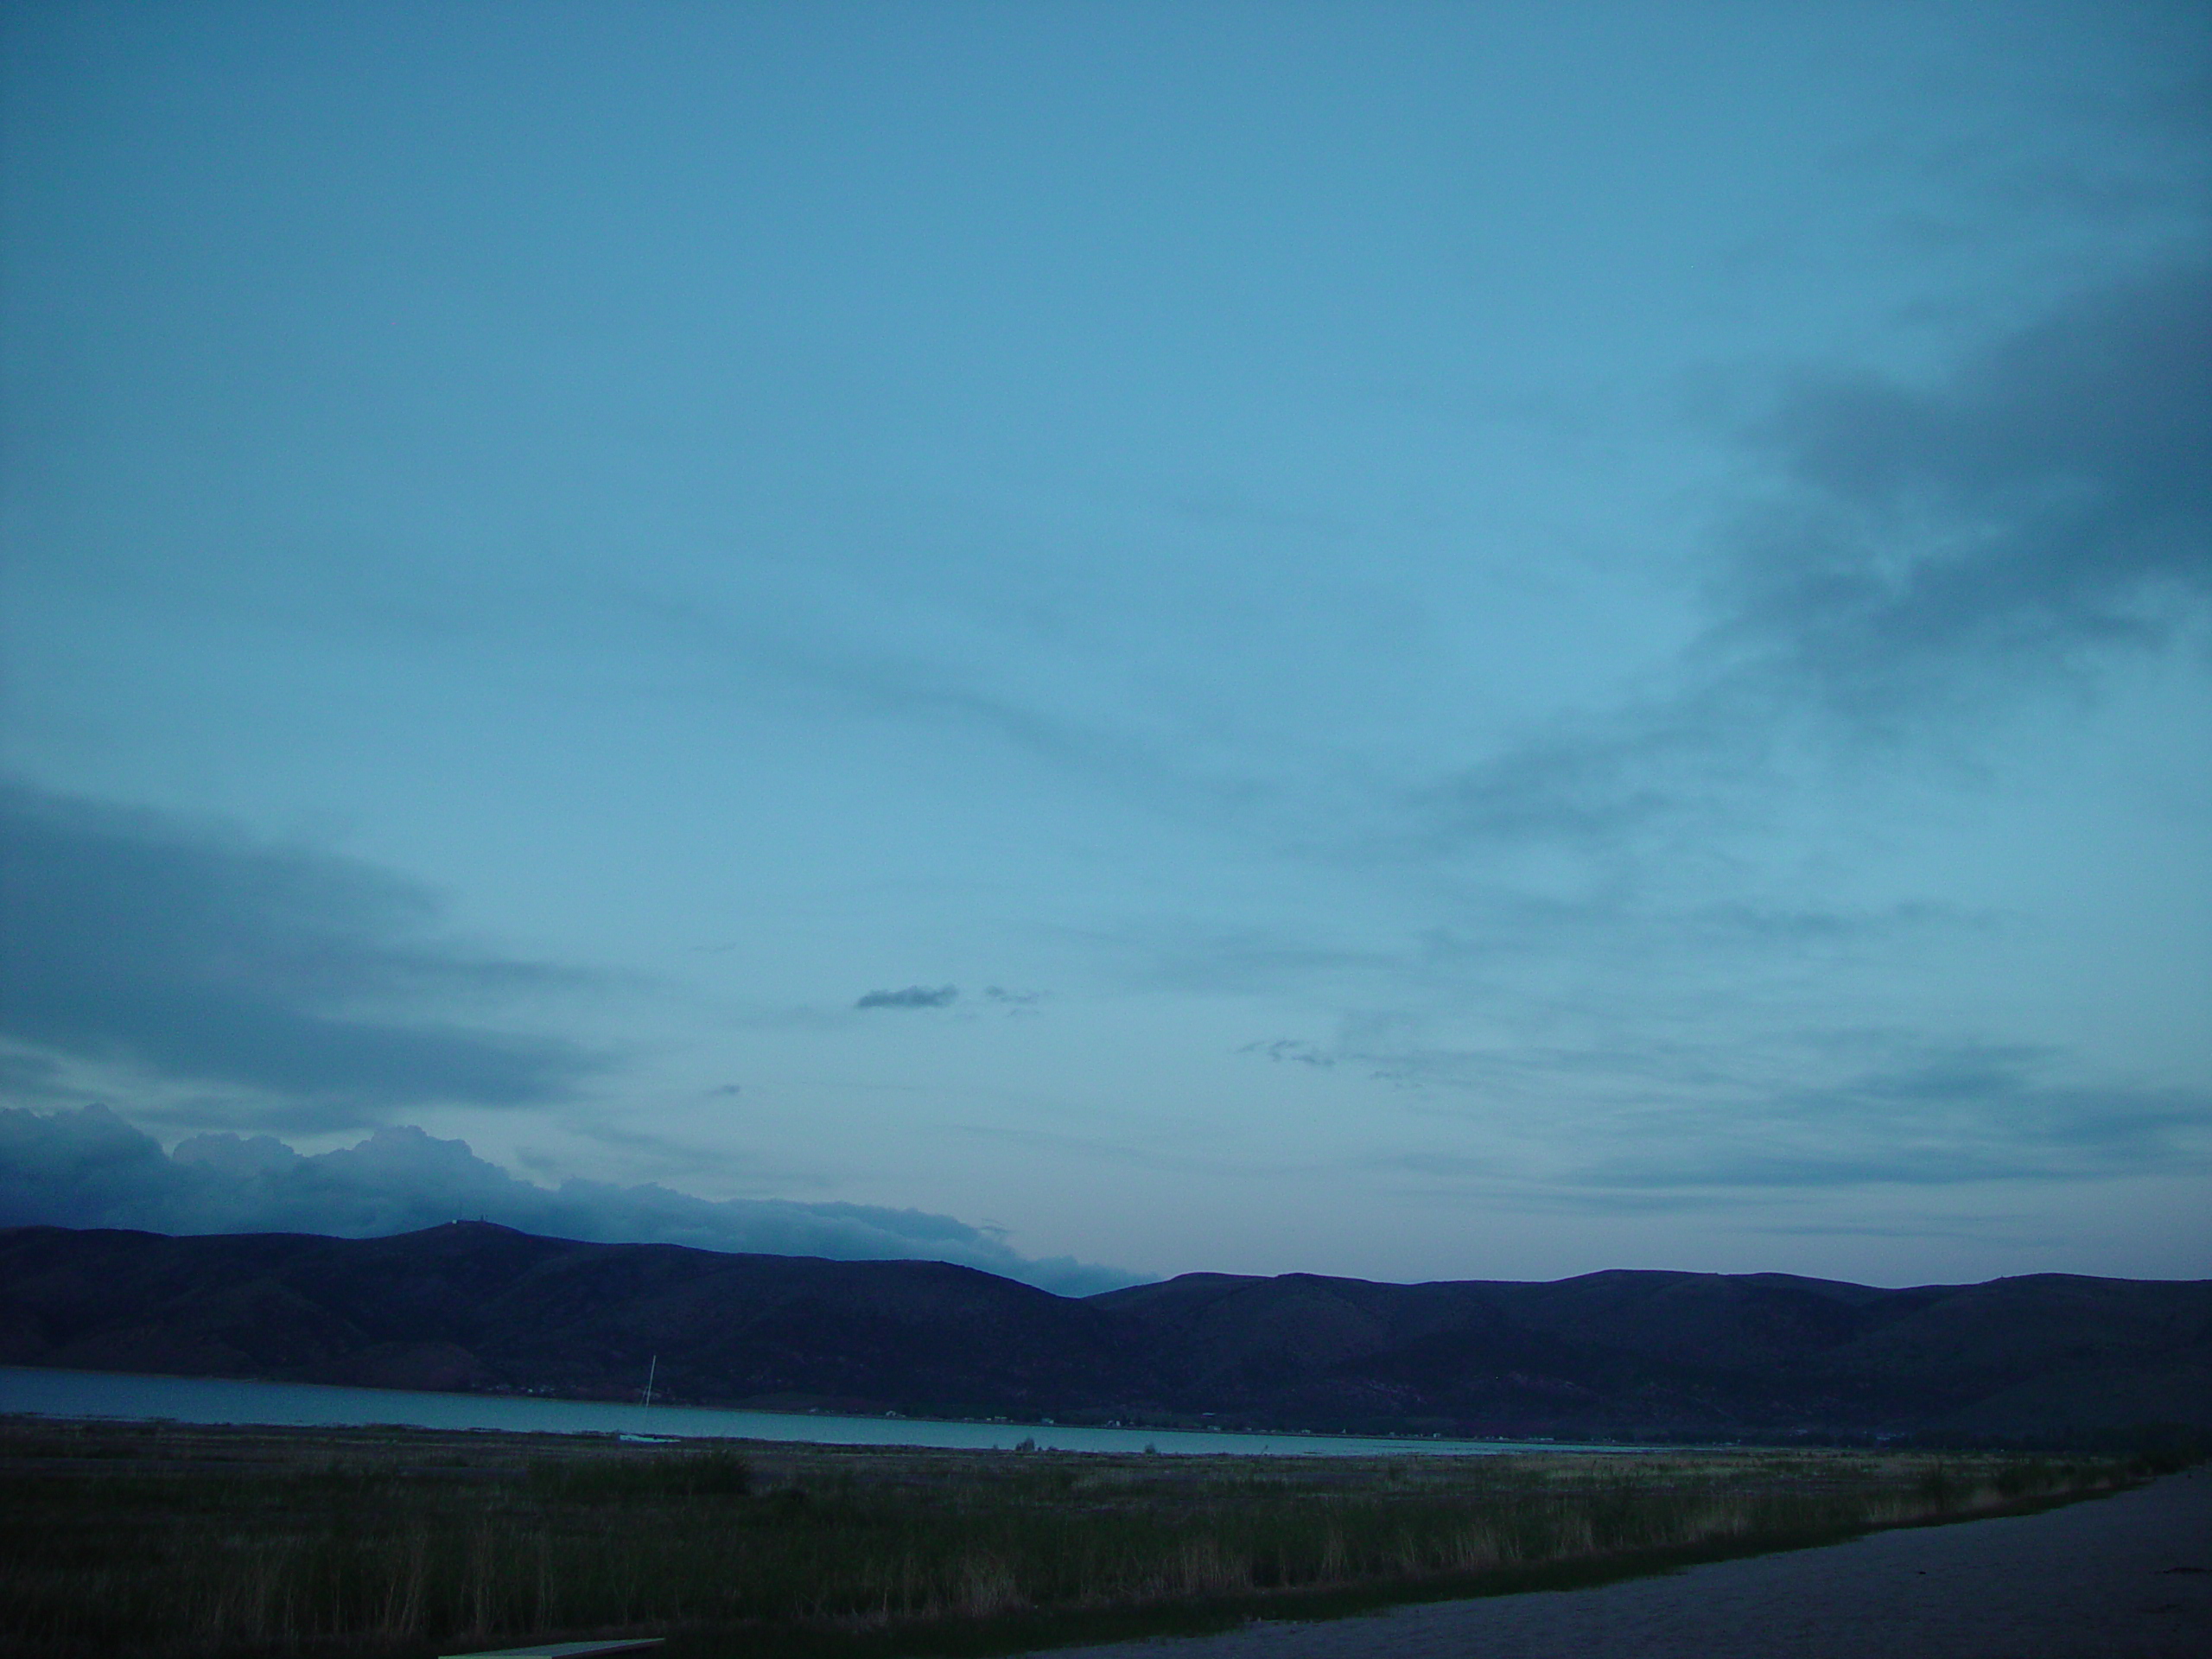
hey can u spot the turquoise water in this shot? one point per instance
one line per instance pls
(305, 1405)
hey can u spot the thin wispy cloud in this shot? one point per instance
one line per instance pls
(1292, 1048)
(1856, 1110)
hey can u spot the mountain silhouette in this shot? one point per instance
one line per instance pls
(1622, 1354)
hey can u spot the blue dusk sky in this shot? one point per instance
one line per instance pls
(1417, 640)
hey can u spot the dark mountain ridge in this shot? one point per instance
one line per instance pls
(1625, 1354)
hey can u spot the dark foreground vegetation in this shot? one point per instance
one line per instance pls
(166, 1542)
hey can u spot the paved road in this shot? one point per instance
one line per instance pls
(2126, 1577)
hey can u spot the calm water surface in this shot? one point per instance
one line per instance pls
(304, 1405)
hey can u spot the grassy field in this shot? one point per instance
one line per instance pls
(167, 1540)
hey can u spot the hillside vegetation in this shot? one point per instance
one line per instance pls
(2048, 1358)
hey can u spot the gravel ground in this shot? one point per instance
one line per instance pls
(2128, 1575)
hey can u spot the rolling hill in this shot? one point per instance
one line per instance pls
(472, 1306)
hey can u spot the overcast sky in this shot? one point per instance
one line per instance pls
(1417, 640)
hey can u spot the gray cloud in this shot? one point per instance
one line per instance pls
(915, 996)
(1965, 1112)
(89, 1168)
(2055, 495)
(1291, 1048)
(33, 1076)
(1927, 553)
(203, 957)
(1893, 1108)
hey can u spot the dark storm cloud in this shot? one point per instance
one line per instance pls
(89, 1168)
(1929, 551)
(2055, 497)
(204, 957)
(915, 996)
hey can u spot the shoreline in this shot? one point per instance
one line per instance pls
(147, 1396)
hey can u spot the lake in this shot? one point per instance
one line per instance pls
(307, 1405)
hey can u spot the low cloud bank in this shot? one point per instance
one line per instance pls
(89, 1168)
(318, 983)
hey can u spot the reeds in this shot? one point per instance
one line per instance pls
(214, 1542)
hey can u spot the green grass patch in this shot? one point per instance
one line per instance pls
(189, 1543)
